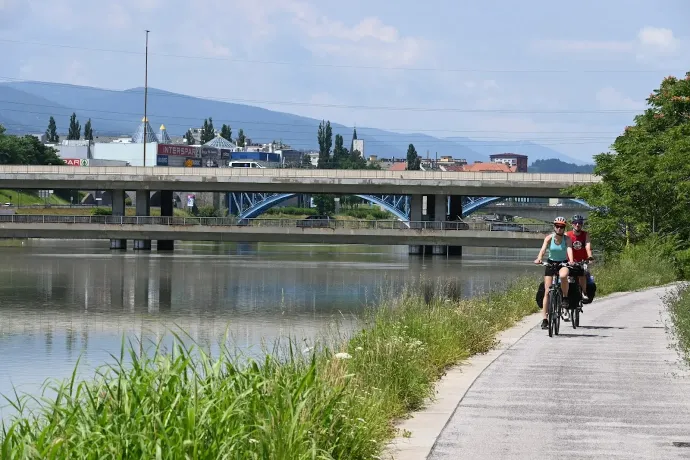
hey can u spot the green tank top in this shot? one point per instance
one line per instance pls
(558, 252)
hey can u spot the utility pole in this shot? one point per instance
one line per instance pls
(146, 91)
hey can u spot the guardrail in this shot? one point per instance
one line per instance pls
(233, 221)
(159, 171)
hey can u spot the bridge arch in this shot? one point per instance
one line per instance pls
(479, 203)
(273, 200)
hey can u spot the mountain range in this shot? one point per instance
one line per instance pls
(25, 107)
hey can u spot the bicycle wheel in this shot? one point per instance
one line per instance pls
(576, 318)
(553, 313)
(559, 312)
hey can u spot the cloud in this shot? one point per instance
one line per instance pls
(649, 39)
(610, 98)
(212, 49)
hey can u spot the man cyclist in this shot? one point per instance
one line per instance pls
(582, 251)
(560, 250)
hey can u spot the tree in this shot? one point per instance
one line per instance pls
(325, 139)
(226, 132)
(26, 150)
(51, 132)
(325, 204)
(241, 139)
(354, 138)
(74, 132)
(207, 131)
(189, 137)
(413, 160)
(645, 181)
(88, 132)
(340, 153)
(306, 161)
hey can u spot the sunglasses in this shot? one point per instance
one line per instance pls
(559, 226)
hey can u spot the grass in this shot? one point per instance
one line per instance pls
(678, 305)
(18, 198)
(339, 399)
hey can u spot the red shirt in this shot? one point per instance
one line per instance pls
(579, 242)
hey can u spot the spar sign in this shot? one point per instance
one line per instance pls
(76, 161)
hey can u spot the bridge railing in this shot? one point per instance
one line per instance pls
(233, 221)
(160, 171)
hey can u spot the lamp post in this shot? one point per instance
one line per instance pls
(146, 91)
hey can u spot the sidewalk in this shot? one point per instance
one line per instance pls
(613, 388)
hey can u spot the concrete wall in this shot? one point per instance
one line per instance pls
(131, 153)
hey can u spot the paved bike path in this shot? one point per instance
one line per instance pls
(612, 388)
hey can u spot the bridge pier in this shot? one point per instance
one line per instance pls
(166, 211)
(143, 209)
(415, 216)
(454, 214)
(118, 206)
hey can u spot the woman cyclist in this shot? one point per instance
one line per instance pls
(560, 250)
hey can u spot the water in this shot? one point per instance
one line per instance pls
(62, 300)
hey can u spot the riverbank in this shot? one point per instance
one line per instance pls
(338, 401)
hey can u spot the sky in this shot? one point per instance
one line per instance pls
(568, 76)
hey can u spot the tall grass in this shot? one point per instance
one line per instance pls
(678, 306)
(337, 400)
(653, 263)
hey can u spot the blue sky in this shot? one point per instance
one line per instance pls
(488, 70)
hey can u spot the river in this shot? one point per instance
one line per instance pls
(62, 300)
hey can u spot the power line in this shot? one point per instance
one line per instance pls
(363, 130)
(344, 106)
(336, 66)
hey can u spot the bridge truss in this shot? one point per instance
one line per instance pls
(250, 205)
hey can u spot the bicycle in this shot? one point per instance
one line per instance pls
(555, 307)
(575, 312)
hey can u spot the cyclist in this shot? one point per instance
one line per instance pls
(582, 251)
(560, 250)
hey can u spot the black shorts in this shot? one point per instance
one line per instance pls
(553, 268)
(577, 270)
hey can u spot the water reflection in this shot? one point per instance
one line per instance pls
(61, 300)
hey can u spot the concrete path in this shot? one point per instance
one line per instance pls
(613, 388)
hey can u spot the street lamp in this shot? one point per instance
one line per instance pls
(146, 91)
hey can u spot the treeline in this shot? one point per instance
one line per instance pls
(645, 179)
(208, 132)
(73, 132)
(26, 150)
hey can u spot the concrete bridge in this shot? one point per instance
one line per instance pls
(545, 212)
(146, 228)
(444, 191)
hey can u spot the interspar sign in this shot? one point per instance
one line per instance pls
(76, 161)
(179, 150)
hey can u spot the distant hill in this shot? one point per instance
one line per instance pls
(27, 106)
(556, 166)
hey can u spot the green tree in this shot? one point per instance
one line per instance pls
(26, 150)
(189, 137)
(340, 153)
(325, 139)
(51, 132)
(241, 138)
(74, 132)
(354, 138)
(645, 181)
(306, 161)
(325, 204)
(413, 160)
(207, 131)
(88, 131)
(226, 132)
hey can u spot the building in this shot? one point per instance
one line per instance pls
(511, 159)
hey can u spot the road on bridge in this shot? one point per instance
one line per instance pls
(609, 389)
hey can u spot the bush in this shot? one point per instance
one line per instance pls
(101, 212)
(368, 213)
